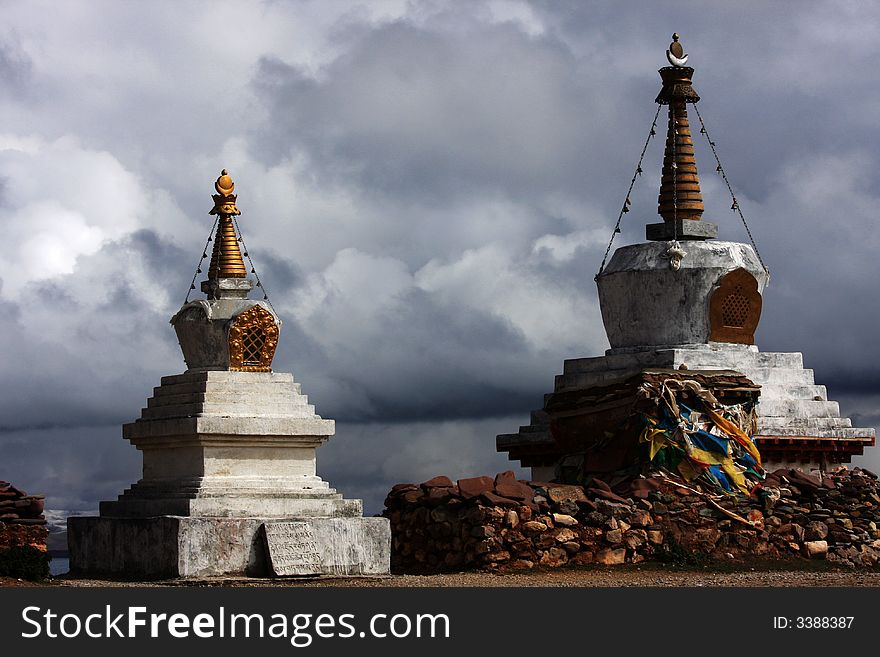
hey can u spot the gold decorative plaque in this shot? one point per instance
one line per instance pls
(735, 308)
(253, 338)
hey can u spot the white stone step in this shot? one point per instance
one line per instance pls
(738, 360)
(221, 387)
(797, 407)
(780, 376)
(771, 391)
(223, 398)
(770, 424)
(840, 433)
(228, 376)
(251, 409)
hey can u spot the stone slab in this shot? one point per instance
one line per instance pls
(172, 546)
(682, 229)
(292, 549)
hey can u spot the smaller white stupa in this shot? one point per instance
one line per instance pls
(229, 482)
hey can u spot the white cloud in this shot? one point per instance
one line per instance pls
(62, 201)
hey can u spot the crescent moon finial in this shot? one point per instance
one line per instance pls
(676, 54)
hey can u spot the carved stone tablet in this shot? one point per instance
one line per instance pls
(292, 549)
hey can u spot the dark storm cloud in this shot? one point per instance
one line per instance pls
(89, 347)
(363, 458)
(418, 110)
(427, 195)
(87, 464)
(438, 114)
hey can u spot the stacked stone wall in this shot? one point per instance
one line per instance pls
(502, 523)
(23, 534)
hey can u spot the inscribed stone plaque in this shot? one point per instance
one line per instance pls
(292, 548)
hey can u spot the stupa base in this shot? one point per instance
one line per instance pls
(164, 547)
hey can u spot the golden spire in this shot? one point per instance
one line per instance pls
(680, 196)
(226, 261)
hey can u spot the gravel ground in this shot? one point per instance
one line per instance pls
(666, 576)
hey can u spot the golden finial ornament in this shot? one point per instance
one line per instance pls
(226, 261)
(224, 199)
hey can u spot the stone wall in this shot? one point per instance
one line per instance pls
(502, 523)
(23, 534)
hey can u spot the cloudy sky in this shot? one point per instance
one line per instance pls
(427, 188)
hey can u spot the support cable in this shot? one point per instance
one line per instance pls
(192, 285)
(735, 204)
(247, 255)
(626, 202)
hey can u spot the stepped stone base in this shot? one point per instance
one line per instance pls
(797, 424)
(225, 452)
(175, 546)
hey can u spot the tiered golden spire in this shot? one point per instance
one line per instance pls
(680, 196)
(226, 261)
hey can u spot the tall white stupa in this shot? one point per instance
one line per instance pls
(683, 300)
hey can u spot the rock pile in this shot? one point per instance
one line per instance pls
(502, 523)
(23, 534)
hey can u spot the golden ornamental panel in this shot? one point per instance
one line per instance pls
(253, 337)
(735, 308)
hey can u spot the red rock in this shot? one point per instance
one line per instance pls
(533, 527)
(562, 493)
(499, 556)
(756, 518)
(413, 496)
(438, 482)
(583, 558)
(506, 476)
(803, 479)
(815, 549)
(708, 536)
(655, 536)
(564, 520)
(614, 536)
(400, 488)
(611, 557)
(439, 495)
(605, 495)
(496, 500)
(635, 538)
(564, 535)
(475, 486)
(554, 557)
(815, 530)
(587, 505)
(646, 484)
(595, 482)
(514, 490)
(544, 541)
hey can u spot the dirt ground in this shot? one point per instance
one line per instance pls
(622, 576)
